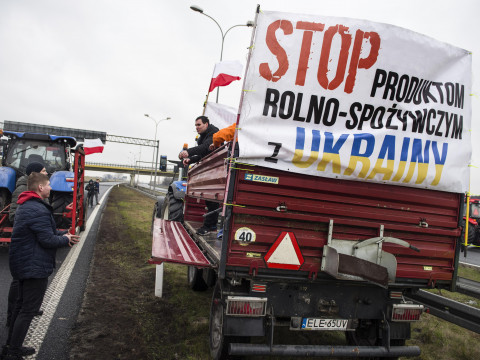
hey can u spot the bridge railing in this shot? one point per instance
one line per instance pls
(128, 167)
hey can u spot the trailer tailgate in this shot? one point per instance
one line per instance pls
(171, 243)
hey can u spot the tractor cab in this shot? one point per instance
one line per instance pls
(54, 152)
(474, 211)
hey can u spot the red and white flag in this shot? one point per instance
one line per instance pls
(225, 72)
(92, 146)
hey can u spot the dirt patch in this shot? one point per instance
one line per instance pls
(120, 317)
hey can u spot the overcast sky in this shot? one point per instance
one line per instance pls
(102, 64)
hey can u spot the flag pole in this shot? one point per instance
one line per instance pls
(205, 104)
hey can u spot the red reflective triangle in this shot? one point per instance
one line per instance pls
(285, 253)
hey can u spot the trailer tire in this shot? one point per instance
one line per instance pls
(366, 335)
(172, 208)
(218, 341)
(195, 279)
(60, 201)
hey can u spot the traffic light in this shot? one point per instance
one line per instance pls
(163, 163)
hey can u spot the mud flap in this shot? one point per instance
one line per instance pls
(342, 266)
(172, 243)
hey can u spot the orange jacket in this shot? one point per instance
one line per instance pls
(225, 134)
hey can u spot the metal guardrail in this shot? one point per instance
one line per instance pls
(160, 191)
(468, 287)
(452, 311)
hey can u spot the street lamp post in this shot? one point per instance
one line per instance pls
(158, 144)
(200, 10)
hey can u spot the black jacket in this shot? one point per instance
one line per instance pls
(90, 188)
(35, 239)
(20, 187)
(203, 141)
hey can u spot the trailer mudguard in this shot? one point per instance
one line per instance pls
(7, 178)
(62, 181)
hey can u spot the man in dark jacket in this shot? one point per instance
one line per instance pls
(20, 187)
(32, 259)
(206, 131)
(90, 192)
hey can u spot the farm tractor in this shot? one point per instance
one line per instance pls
(56, 153)
(473, 221)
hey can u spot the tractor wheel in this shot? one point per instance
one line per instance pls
(60, 201)
(172, 208)
(471, 233)
(85, 206)
(4, 198)
(154, 216)
(195, 279)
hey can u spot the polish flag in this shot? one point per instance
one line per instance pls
(225, 72)
(92, 146)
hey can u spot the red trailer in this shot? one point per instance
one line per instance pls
(341, 194)
(326, 255)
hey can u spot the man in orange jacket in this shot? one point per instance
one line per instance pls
(225, 134)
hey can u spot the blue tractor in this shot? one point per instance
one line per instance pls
(20, 149)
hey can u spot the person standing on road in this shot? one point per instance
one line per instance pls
(32, 259)
(206, 131)
(20, 187)
(97, 191)
(90, 192)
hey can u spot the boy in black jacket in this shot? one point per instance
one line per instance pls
(32, 259)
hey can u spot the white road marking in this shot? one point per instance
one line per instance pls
(40, 324)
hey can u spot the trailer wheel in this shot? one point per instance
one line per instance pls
(218, 341)
(60, 201)
(172, 208)
(366, 335)
(195, 279)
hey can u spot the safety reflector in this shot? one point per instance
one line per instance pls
(285, 253)
(406, 312)
(259, 287)
(396, 295)
(246, 306)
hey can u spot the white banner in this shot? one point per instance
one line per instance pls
(357, 100)
(220, 115)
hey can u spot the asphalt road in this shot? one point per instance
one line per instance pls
(473, 256)
(53, 328)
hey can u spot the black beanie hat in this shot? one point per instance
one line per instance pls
(33, 167)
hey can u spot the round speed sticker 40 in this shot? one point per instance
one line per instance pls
(245, 236)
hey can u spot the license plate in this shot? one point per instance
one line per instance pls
(324, 324)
